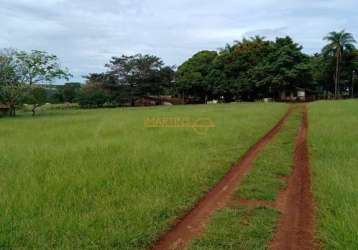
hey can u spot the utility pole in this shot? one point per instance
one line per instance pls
(353, 75)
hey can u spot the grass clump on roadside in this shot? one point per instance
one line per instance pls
(251, 227)
(276, 160)
(238, 228)
(333, 139)
(100, 179)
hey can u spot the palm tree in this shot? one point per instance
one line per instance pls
(338, 44)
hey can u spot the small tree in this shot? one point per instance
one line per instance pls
(39, 67)
(36, 95)
(11, 95)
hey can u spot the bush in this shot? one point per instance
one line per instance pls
(92, 96)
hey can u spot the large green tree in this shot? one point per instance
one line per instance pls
(284, 69)
(137, 75)
(339, 43)
(191, 76)
(322, 71)
(130, 77)
(242, 67)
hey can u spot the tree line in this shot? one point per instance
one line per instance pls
(255, 68)
(248, 70)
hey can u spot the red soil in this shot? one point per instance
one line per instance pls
(195, 221)
(295, 229)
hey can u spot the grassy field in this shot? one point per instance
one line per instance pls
(334, 148)
(251, 227)
(100, 179)
(264, 182)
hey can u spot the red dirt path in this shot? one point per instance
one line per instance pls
(194, 222)
(295, 229)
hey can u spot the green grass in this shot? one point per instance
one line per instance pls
(99, 179)
(264, 182)
(333, 142)
(238, 227)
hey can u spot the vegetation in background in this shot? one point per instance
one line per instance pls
(255, 68)
(70, 91)
(192, 77)
(339, 45)
(248, 70)
(90, 179)
(11, 85)
(127, 78)
(37, 96)
(93, 95)
(20, 71)
(333, 145)
(252, 227)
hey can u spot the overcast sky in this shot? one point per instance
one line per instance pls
(85, 33)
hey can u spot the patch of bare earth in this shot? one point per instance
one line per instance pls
(295, 229)
(195, 221)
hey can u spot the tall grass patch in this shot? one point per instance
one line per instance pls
(333, 143)
(101, 179)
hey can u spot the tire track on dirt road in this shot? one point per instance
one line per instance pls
(295, 229)
(192, 224)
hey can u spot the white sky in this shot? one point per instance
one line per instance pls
(85, 34)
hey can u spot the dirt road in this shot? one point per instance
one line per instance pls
(195, 221)
(295, 229)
